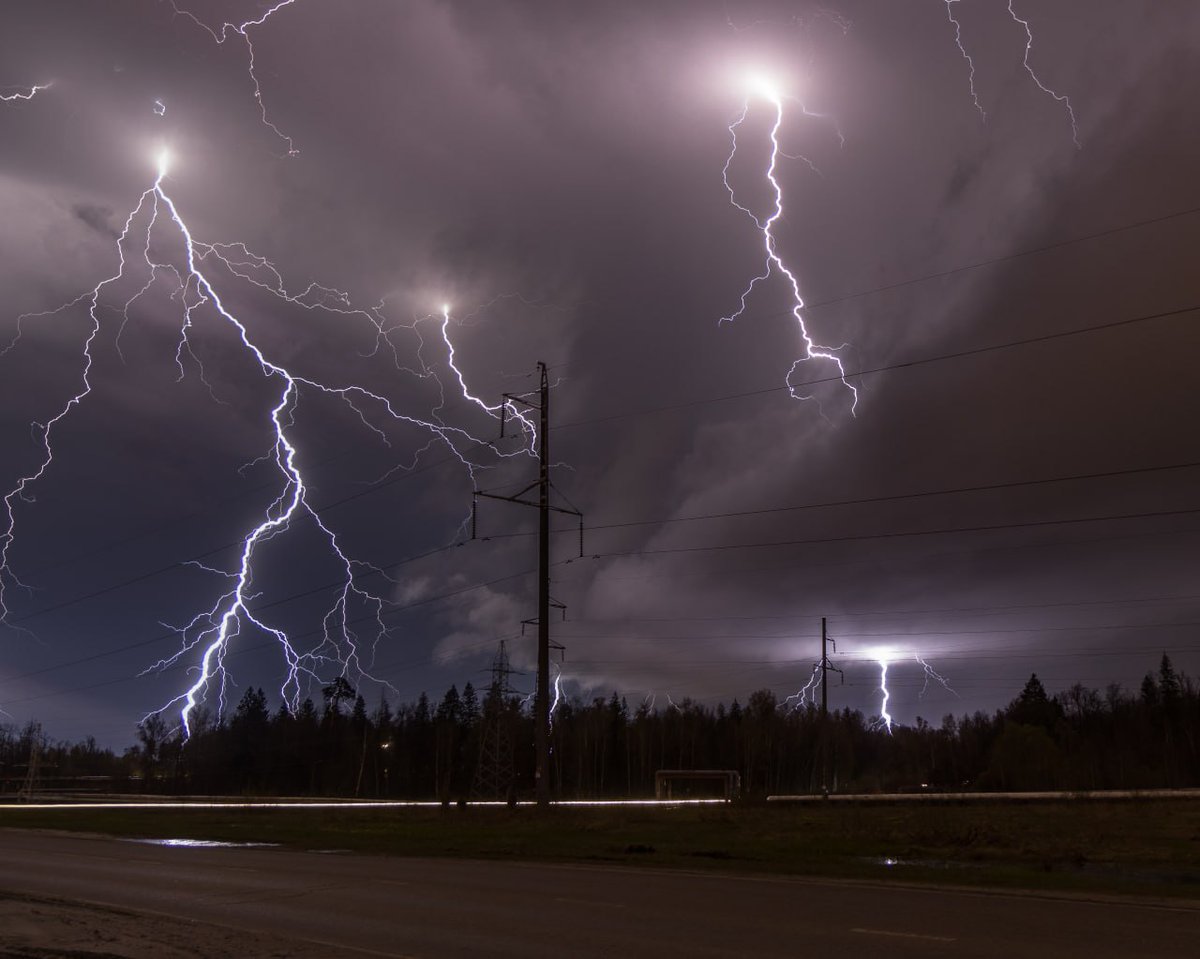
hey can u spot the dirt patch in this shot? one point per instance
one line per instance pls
(35, 928)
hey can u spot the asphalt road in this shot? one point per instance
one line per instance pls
(427, 908)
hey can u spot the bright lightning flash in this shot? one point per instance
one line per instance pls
(762, 88)
(885, 717)
(885, 656)
(195, 276)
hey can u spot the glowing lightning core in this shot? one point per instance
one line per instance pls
(763, 88)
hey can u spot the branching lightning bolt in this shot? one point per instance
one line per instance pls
(223, 32)
(1061, 98)
(774, 263)
(212, 630)
(807, 693)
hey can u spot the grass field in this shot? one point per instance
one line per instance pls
(1146, 847)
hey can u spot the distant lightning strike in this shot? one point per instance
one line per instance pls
(807, 693)
(763, 89)
(25, 93)
(887, 656)
(884, 716)
(213, 629)
(932, 675)
(223, 32)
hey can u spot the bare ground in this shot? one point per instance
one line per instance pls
(37, 928)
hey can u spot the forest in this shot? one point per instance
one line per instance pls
(470, 746)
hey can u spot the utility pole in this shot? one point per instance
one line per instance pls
(824, 733)
(541, 775)
(541, 704)
(824, 672)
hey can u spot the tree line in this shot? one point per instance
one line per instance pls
(1077, 739)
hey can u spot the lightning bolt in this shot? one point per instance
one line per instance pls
(160, 108)
(223, 32)
(933, 675)
(212, 631)
(24, 94)
(965, 55)
(1061, 98)
(557, 691)
(1027, 27)
(807, 693)
(885, 718)
(774, 263)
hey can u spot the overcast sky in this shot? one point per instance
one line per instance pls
(554, 173)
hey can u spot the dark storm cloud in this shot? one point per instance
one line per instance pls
(99, 218)
(569, 157)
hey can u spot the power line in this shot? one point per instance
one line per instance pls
(951, 271)
(354, 496)
(1005, 258)
(920, 361)
(994, 527)
(888, 498)
(899, 612)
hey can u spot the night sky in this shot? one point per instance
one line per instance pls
(553, 173)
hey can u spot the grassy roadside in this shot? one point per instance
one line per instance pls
(1142, 847)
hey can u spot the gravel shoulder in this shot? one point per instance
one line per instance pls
(33, 927)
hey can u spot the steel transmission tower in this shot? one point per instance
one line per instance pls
(495, 772)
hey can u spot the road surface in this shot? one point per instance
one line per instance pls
(375, 905)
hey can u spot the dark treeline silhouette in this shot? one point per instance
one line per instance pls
(1078, 739)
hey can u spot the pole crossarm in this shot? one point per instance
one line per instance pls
(524, 502)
